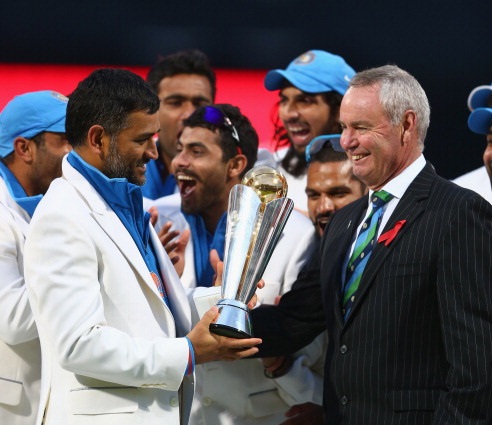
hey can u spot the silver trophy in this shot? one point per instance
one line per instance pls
(258, 211)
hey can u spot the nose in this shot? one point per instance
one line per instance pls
(180, 160)
(347, 139)
(188, 109)
(288, 111)
(325, 205)
(151, 150)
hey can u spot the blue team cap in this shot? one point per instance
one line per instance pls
(479, 97)
(315, 71)
(480, 119)
(29, 114)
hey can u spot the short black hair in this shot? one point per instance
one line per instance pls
(183, 62)
(327, 154)
(248, 138)
(107, 97)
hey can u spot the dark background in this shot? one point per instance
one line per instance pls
(444, 44)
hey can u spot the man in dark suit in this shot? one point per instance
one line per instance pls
(412, 343)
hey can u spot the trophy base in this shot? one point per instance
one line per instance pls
(233, 321)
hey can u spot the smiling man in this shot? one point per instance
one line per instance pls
(401, 280)
(217, 147)
(331, 183)
(183, 81)
(310, 92)
(114, 320)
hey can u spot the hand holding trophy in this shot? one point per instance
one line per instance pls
(257, 213)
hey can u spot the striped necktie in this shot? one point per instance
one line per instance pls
(363, 249)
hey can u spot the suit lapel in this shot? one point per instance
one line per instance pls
(410, 207)
(110, 224)
(342, 236)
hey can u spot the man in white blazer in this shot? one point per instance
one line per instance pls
(217, 147)
(32, 145)
(113, 318)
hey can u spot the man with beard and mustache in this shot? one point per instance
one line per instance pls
(310, 90)
(217, 147)
(183, 81)
(480, 122)
(113, 318)
(32, 145)
(331, 183)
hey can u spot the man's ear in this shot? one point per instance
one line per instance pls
(95, 137)
(409, 126)
(24, 149)
(237, 165)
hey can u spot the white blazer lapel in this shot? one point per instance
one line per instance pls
(111, 224)
(174, 288)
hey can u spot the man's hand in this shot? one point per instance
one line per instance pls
(305, 414)
(175, 248)
(219, 268)
(211, 347)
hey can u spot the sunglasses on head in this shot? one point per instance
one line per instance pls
(318, 142)
(218, 118)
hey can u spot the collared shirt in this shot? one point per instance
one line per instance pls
(126, 200)
(27, 203)
(397, 187)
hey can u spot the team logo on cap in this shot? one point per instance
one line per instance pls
(305, 58)
(59, 96)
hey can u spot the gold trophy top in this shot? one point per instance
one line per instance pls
(268, 183)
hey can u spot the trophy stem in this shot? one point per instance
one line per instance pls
(251, 248)
(233, 321)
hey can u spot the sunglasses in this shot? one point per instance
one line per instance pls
(318, 142)
(217, 118)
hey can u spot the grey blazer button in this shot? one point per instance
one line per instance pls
(343, 349)
(344, 400)
(174, 402)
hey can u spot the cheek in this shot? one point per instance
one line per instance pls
(312, 205)
(167, 118)
(282, 112)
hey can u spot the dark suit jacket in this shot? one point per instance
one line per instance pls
(417, 347)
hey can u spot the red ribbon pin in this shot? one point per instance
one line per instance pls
(388, 236)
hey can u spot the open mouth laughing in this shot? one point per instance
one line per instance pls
(186, 184)
(298, 134)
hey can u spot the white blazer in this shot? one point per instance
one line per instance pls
(238, 393)
(20, 353)
(112, 352)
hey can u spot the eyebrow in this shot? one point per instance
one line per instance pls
(192, 144)
(183, 97)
